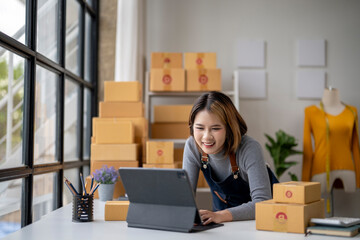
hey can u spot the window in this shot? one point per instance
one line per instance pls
(48, 95)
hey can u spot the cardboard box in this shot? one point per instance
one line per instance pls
(122, 91)
(282, 217)
(143, 150)
(178, 154)
(115, 152)
(203, 80)
(140, 124)
(169, 80)
(121, 109)
(116, 210)
(200, 60)
(166, 60)
(119, 190)
(172, 113)
(170, 130)
(114, 132)
(159, 152)
(116, 164)
(163, 165)
(297, 192)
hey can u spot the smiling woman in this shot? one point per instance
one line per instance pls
(209, 132)
(232, 163)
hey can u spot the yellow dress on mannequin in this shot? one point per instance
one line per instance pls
(343, 149)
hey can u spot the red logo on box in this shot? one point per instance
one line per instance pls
(160, 152)
(167, 79)
(288, 194)
(203, 79)
(167, 60)
(281, 217)
(199, 61)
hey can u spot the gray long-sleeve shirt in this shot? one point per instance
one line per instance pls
(252, 169)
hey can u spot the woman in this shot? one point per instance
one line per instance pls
(231, 161)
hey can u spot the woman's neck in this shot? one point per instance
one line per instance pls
(331, 101)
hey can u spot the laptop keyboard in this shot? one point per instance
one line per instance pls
(198, 228)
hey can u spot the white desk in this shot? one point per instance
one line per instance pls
(58, 225)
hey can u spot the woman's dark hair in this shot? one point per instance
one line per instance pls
(222, 106)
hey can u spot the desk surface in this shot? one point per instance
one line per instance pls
(58, 225)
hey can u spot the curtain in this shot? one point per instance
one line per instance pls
(129, 41)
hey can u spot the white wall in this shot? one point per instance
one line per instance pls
(213, 25)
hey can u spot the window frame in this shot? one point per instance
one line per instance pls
(32, 59)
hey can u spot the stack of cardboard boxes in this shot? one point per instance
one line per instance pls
(166, 72)
(201, 72)
(292, 207)
(120, 132)
(171, 122)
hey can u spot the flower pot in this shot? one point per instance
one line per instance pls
(106, 192)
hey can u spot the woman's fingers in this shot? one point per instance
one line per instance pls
(206, 216)
(209, 220)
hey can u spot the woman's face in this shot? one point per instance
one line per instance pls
(209, 132)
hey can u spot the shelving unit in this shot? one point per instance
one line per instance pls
(149, 96)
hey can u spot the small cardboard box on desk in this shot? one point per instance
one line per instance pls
(116, 210)
(294, 204)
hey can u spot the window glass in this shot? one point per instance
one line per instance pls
(73, 175)
(48, 28)
(71, 123)
(11, 108)
(12, 19)
(46, 90)
(72, 36)
(86, 170)
(90, 2)
(88, 43)
(10, 206)
(87, 124)
(43, 195)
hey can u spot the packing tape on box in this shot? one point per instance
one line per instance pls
(166, 60)
(203, 79)
(280, 218)
(200, 60)
(167, 79)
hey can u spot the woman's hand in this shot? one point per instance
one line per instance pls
(216, 217)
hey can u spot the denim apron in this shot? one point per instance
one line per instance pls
(231, 192)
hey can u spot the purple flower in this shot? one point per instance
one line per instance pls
(106, 175)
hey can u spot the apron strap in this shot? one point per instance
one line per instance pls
(234, 167)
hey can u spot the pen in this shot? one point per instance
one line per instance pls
(82, 183)
(70, 184)
(92, 182)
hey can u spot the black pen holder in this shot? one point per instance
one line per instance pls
(83, 208)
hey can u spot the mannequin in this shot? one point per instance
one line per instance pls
(333, 126)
